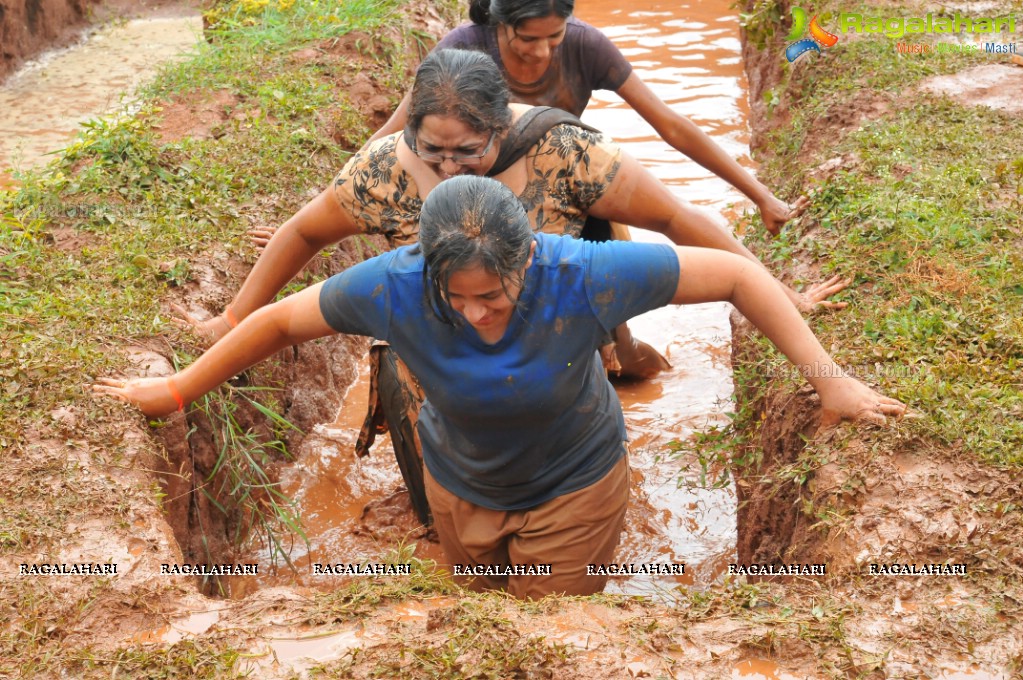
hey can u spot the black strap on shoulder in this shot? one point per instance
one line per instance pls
(528, 130)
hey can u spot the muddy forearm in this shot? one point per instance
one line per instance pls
(686, 137)
(266, 331)
(689, 227)
(310, 230)
(779, 319)
(689, 139)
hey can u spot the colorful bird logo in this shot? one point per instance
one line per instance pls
(819, 38)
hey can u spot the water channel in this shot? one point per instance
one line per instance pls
(688, 54)
(44, 102)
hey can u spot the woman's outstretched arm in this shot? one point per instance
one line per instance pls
(292, 321)
(708, 275)
(318, 224)
(637, 198)
(686, 137)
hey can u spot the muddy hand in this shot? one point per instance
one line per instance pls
(209, 330)
(815, 297)
(852, 400)
(260, 236)
(153, 396)
(775, 213)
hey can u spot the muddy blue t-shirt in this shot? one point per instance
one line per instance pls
(514, 424)
(586, 60)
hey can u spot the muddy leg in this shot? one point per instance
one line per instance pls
(569, 533)
(637, 359)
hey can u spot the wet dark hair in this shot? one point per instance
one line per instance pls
(463, 84)
(514, 12)
(466, 222)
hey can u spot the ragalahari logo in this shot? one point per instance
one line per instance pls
(819, 38)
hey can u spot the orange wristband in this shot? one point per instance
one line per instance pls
(173, 389)
(229, 317)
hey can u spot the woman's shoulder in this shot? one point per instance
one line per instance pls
(468, 35)
(577, 30)
(375, 164)
(590, 52)
(379, 192)
(568, 139)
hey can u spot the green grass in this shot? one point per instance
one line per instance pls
(145, 212)
(93, 245)
(925, 213)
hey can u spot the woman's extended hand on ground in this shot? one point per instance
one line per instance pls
(849, 399)
(153, 396)
(210, 330)
(816, 296)
(260, 236)
(775, 213)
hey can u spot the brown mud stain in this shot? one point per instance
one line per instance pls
(176, 120)
(173, 631)
(760, 669)
(353, 509)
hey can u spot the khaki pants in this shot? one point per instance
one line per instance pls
(568, 532)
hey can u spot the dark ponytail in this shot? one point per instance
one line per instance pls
(479, 11)
(514, 12)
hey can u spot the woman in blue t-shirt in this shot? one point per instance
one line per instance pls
(550, 58)
(527, 473)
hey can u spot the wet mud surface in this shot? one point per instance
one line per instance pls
(44, 102)
(996, 86)
(904, 505)
(357, 509)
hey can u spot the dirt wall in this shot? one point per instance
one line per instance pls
(30, 27)
(27, 27)
(769, 524)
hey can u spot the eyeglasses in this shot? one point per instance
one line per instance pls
(460, 158)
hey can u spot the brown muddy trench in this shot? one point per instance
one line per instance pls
(357, 510)
(354, 510)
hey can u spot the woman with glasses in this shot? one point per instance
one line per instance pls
(459, 115)
(550, 58)
(523, 437)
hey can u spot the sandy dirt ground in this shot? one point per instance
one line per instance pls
(902, 503)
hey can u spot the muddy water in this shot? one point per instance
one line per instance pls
(688, 53)
(42, 105)
(356, 509)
